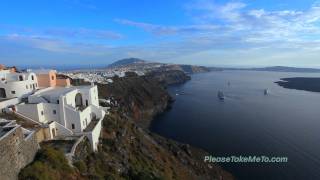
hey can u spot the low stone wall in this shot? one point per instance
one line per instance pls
(9, 102)
(16, 151)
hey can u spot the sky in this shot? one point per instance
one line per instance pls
(244, 33)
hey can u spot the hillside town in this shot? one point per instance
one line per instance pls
(39, 106)
(44, 113)
(104, 75)
(119, 69)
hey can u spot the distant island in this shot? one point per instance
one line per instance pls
(301, 83)
(276, 69)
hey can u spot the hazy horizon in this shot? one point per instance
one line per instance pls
(98, 66)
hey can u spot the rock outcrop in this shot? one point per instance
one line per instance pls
(169, 77)
(139, 97)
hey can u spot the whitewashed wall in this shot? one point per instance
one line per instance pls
(21, 88)
(32, 111)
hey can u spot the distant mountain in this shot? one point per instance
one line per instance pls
(127, 61)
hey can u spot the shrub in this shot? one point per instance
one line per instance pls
(49, 164)
(37, 171)
(81, 166)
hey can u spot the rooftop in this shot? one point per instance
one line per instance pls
(6, 126)
(65, 145)
(4, 99)
(58, 91)
(20, 121)
(5, 130)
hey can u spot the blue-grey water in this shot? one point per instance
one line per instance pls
(286, 122)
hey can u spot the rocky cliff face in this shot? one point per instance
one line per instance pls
(169, 77)
(139, 64)
(133, 150)
(129, 152)
(190, 69)
(139, 97)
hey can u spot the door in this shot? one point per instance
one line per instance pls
(3, 93)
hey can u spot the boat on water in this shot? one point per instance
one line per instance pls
(266, 91)
(221, 95)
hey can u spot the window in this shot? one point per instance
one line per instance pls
(20, 78)
(54, 111)
(32, 77)
(13, 92)
(27, 87)
(42, 113)
(87, 102)
(52, 77)
(72, 126)
(58, 101)
(30, 86)
(36, 84)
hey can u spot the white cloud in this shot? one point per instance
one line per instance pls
(230, 33)
(240, 29)
(75, 33)
(168, 30)
(288, 24)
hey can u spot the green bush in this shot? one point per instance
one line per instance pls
(49, 164)
(37, 171)
(81, 166)
(142, 175)
(55, 158)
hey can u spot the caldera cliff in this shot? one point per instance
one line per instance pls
(127, 150)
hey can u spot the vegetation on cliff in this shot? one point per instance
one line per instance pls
(139, 97)
(49, 164)
(129, 152)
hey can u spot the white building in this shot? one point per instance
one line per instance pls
(67, 111)
(14, 84)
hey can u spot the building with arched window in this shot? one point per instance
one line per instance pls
(17, 84)
(74, 110)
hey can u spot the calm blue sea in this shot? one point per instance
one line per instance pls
(284, 123)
